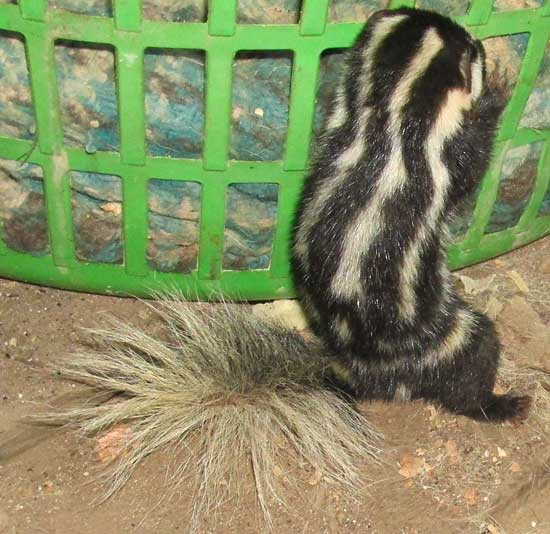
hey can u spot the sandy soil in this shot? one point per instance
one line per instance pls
(441, 473)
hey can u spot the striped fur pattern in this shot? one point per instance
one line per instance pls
(409, 136)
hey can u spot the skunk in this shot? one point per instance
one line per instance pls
(408, 137)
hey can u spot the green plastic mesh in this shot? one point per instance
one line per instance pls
(63, 259)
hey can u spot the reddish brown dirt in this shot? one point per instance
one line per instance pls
(441, 474)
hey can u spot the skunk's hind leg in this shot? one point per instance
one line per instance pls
(502, 408)
(464, 372)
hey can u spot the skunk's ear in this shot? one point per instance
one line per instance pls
(466, 69)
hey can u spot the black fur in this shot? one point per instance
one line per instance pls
(386, 353)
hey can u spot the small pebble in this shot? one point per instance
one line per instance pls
(515, 467)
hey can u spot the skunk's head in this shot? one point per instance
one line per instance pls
(424, 54)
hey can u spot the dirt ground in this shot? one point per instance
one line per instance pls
(440, 473)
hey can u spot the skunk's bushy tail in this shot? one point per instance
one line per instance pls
(239, 391)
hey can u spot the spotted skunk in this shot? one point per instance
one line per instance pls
(409, 136)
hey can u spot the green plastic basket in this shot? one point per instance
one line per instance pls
(221, 38)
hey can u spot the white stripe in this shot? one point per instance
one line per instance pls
(447, 124)
(447, 290)
(457, 338)
(353, 154)
(446, 350)
(340, 113)
(313, 208)
(310, 309)
(361, 232)
(342, 329)
(477, 77)
(402, 393)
